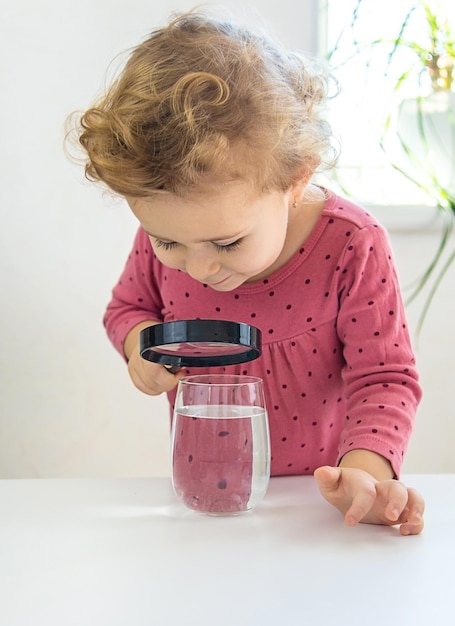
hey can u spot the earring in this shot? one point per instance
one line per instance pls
(294, 204)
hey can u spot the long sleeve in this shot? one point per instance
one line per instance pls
(381, 381)
(136, 296)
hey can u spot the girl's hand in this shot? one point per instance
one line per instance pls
(151, 378)
(362, 498)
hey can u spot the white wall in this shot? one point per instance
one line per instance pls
(67, 407)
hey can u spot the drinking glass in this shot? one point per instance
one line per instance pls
(220, 443)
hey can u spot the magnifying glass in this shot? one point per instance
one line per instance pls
(199, 343)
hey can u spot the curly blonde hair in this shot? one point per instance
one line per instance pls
(203, 97)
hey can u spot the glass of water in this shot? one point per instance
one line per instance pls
(220, 443)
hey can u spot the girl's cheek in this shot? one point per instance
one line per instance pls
(168, 259)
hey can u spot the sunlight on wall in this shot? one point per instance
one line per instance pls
(368, 76)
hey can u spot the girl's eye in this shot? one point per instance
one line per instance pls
(169, 245)
(229, 247)
(166, 245)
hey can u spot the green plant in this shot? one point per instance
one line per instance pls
(418, 62)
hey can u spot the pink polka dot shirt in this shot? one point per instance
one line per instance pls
(337, 363)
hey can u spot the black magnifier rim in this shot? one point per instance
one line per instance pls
(200, 331)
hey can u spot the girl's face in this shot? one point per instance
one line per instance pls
(223, 237)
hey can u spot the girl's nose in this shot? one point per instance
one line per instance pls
(201, 265)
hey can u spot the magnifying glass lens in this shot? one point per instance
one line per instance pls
(200, 343)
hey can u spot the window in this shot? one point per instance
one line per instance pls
(367, 77)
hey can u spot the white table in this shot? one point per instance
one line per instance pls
(126, 553)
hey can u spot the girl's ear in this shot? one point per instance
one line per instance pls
(304, 173)
(298, 185)
(301, 179)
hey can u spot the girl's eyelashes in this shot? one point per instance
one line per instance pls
(166, 245)
(228, 247)
(169, 245)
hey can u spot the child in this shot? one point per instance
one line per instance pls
(213, 134)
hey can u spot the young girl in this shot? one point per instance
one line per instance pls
(213, 133)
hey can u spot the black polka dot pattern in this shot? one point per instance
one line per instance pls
(335, 339)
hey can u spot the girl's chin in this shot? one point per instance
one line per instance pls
(229, 284)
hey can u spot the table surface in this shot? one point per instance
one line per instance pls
(105, 552)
